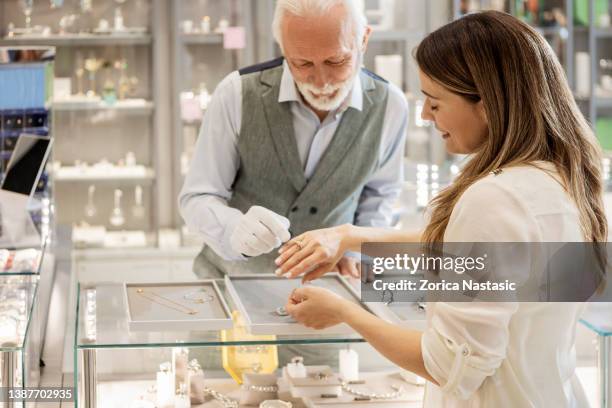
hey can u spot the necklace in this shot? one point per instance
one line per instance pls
(199, 296)
(389, 395)
(169, 303)
(261, 388)
(226, 401)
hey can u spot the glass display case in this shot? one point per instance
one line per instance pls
(115, 363)
(20, 334)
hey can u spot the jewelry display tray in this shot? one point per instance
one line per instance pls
(257, 296)
(146, 315)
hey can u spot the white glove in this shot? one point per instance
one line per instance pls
(259, 231)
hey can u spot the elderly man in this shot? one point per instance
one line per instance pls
(307, 141)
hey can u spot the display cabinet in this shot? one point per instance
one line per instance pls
(104, 99)
(116, 360)
(24, 271)
(20, 334)
(211, 38)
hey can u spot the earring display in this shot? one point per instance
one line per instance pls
(90, 209)
(117, 219)
(92, 65)
(27, 6)
(259, 298)
(80, 73)
(138, 209)
(163, 307)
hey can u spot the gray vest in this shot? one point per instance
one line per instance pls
(271, 173)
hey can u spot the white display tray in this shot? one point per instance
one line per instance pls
(146, 315)
(257, 296)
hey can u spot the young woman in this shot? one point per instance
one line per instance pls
(495, 91)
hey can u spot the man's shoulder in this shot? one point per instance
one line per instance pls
(263, 66)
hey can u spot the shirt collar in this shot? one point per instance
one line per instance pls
(289, 93)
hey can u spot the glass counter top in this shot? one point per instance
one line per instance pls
(22, 246)
(102, 323)
(598, 317)
(17, 302)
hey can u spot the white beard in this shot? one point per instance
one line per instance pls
(328, 103)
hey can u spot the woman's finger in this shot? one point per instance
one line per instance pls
(315, 259)
(348, 267)
(318, 272)
(293, 241)
(288, 253)
(295, 259)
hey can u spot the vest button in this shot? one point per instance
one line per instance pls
(294, 209)
(313, 210)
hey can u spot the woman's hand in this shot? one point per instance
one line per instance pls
(318, 308)
(316, 253)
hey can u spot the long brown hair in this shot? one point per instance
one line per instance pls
(532, 115)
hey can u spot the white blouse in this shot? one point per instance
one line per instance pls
(506, 354)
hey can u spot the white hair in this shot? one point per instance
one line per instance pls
(315, 8)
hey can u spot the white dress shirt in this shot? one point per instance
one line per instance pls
(208, 185)
(506, 354)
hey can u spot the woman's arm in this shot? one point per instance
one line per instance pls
(319, 308)
(355, 236)
(317, 252)
(385, 337)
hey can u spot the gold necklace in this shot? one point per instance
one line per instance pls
(152, 296)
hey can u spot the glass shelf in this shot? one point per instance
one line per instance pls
(22, 254)
(213, 38)
(102, 323)
(83, 39)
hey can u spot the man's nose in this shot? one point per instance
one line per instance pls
(320, 77)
